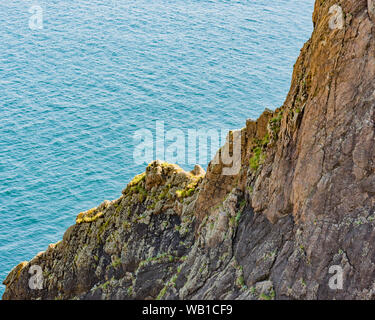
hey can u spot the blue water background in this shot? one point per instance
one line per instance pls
(73, 94)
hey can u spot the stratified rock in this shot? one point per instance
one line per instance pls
(301, 204)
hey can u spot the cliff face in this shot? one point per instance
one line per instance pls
(302, 202)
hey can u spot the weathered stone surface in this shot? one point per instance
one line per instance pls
(302, 201)
(371, 9)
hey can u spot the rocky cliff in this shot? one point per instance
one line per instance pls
(302, 202)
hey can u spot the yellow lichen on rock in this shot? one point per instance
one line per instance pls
(191, 186)
(138, 178)
(89, 216)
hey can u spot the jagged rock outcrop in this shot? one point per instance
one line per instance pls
(302, 201)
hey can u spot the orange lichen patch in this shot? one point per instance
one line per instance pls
(20, 267)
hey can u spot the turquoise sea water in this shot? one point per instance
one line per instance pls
(73, 94)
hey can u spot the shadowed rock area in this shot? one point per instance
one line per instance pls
(302, 202)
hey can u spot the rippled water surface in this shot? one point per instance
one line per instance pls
(73, 94)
